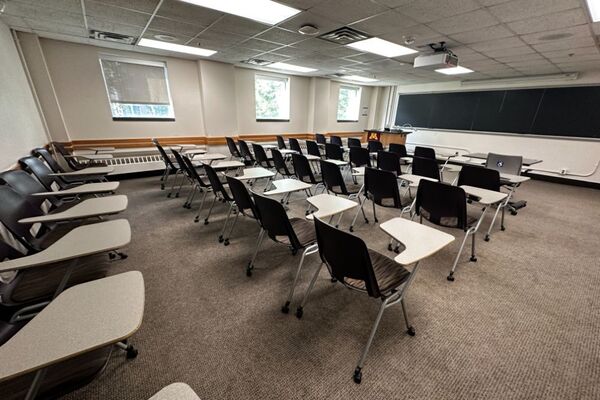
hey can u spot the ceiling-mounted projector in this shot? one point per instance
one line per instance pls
(436, 61)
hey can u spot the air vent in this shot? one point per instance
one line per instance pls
(256, 61)
(112, 37)
(344, 36)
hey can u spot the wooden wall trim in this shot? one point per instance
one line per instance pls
(199, 140)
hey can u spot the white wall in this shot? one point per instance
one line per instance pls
(21, 127)
(578, 156)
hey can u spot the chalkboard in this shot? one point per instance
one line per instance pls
(573, 111)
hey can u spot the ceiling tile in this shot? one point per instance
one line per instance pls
(522, 9)
(519, 57)
(115, 14)
(578, 67)
(146, 6)
(431, 10)
(576, 52)
(283, 36)
(392, 3)
(46, 26)
(513, 51)
(41, 13)
(554, 21)
(347, 11)
(66, 5)
(482, 35)
(186, 12)
(177, 28)
(539, 70)
(274, 57)
(260, 45)
(422, 34)
(342, 51)
(14, 22)
(179, 39)
(498, 44)
(571, 43)
(295, 52)
(384, 22)
(575, 59)
(464, 22)
(322, 23)
(366, 57)
(239, 26)
(315, 44)
(108, 26)
(542, 37)
(213, 38)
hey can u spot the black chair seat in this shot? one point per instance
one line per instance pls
(388, 273)
(305, 232)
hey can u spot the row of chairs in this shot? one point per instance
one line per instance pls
(47, 188)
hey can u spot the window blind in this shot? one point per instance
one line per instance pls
(132, 83)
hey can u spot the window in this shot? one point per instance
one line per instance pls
(348, 104)
(137, 90)
(272, 96)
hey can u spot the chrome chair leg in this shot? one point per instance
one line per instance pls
(362, 204)
(221, 238)
(309, 250)
(409, 328)
(197, 218)
(250, 265)
(226, 241)
(462, 245)
(299, 310)
(210, 210)
(361, 362)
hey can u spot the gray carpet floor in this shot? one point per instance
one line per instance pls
(521, 323)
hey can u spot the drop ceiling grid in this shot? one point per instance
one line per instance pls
(509, 30)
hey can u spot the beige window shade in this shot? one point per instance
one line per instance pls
(131, 83)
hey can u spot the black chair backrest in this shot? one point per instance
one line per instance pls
(312, 148)
(424, 152)
(182, 164)
(60, 150)
(302, 169)
(346, 256)
(193, 173)
(27, 185)
(320, 138)
(382, 188)
(45, 154)
(481, 177)
(360, 157)
(163, 154)
(336, 140)
(398, 148)
(374, 146)
(215, 183)
(245, 152)
(442, 204)
(334, 152)
(261, 156)
(427, 167)
(15, 207)
(233, 149)
(274, 220)
(332, 178)
(241, 196)
(279, 162)
(354, 142)
(389, 161)
(8, 252)
(295, 145)
(41, 172)
(280, 142)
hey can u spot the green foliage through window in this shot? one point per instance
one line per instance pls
(272, 97)
(348, 103)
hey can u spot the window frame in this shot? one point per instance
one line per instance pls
(288, 91)
(359, 103)
(163, 64)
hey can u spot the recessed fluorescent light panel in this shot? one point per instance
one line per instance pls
(382, 47)
(291, 67)
(358, 78)
(454, 70)
(179, 48)
(594, 7)
(265, 11)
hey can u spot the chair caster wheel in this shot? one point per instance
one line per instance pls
(131, 352)
(487, 238)
(221, 239)
(450, 278)
(390, 248)
(351, 229)
(122, 256)
(376, 220)
(196, 219)
(206, 222)
(333, 280)
(249, 269)
(397, 250)
(111, 256)
(226, 242)
(366, 221)
(299, 312)
(357, 375)
(286, 308)
(473, 259)
(411, 331)
(502, 228)
(513, 213)
(294, 252)
(177, 195)
(162, 187)
(169, 195)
